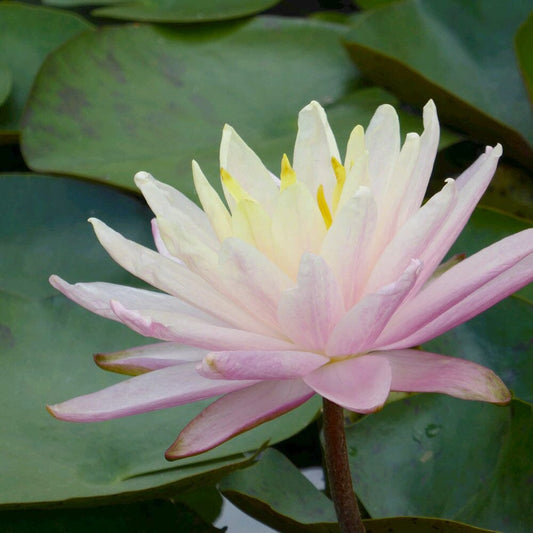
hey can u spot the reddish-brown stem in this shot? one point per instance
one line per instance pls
(338, 467)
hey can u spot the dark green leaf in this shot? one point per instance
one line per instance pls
(46, 344)
(171, 10)
(372, 4)
(184, 10)
(146, 517)
(404, 524)
(5, 81)
(458, 53)
(524, 45)
(438, 456)
(27, 35)
(274, 491)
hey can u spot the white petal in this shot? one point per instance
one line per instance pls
(347, 241)
(242, 164)
(297, 227)
(315, 146)
(214, 208)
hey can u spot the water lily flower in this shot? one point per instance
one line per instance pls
(320, 281)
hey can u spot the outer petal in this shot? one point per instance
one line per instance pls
(260, 364)
(470, 187)
(174, 327)
(168, 387)
(315, 146)
(96, 297)
(361, 325)
(360, 384)
(252, 279)
(297, 227)
(417, 371)
(141, 359)
(242, 163)
(309, 312)
(463, 291)
(346, 242)
(413, 238)
(172, 277)
(237, 412)
(213, 206)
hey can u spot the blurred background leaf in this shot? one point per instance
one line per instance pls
(27, 35)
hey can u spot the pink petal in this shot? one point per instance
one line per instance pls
(308, 312)
(141, 359)
(417, 371)
(237, 412)
(361, 325)
(314, 147)
(173, 278)
(360, 384)
(412, 239)
(188, 330)
(96, 297)
(470, 187)
(168, 387)
(346, 241)
(252, 280)
(463, 291)
(260, 364)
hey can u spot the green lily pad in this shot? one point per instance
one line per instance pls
(153, 98)
(291, 503)
(172, 10)
(274, 491)
(415, 524)
(438, 456)
(160, 516)
(27, 35)
(524, 45)
(458, 53)
(5, 81)
(46, 344)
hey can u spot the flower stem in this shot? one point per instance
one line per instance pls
(338, 468)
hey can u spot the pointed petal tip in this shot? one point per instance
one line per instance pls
(142, 177)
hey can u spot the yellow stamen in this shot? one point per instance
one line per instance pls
(288, 176)
(340, 175)
(233, 186)
(323, 206)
